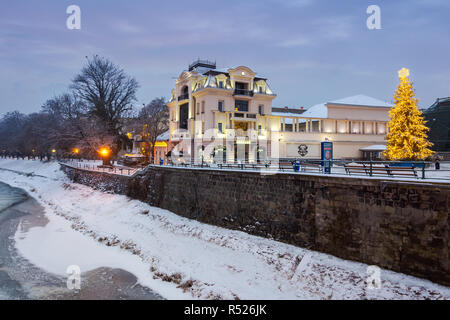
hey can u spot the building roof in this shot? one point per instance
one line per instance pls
(440, 103)
(163, 136)
(375, 147)
(320, 110)
(295, 109)
(317, 111)
(362, 100)
(225, 71)
(286, 114)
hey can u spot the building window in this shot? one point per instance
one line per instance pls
(260, 89)
(288, 127)
(220, 84)
(260, 110)
(220, 106)
(198, 108)
(203, 127)
(220, 127)
(259, 129)
(203, 106)
(241, 105)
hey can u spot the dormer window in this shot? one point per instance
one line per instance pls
(220, 84)
(260, 89)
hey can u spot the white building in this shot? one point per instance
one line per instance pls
(232, 108)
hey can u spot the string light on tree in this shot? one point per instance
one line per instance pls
(407, 138)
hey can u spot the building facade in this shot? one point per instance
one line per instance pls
(227, 115)
(438, 120)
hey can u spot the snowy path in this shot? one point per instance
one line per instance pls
(182, 258)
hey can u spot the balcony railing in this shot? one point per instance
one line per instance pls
(183, 97)
(243, 92)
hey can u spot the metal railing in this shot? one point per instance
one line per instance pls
(183, 96)
(200, 63)
(417, 170)
(243, 92)
(95, 167)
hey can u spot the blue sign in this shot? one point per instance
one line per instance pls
(326, 155)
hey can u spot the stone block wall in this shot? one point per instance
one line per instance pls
(402, 226)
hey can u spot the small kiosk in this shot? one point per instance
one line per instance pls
(326, 155)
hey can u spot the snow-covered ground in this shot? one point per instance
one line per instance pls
(181, 258)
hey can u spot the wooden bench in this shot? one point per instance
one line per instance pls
(200, 165)
(376, 170)
(254, 166)
(403, 171)
(285, 165)
(311, 166)
(355, 168)
(229, 165)
(380, 170)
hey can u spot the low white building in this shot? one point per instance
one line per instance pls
(351, 123)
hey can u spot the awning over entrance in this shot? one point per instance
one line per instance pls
(373, 152)
(374, 148)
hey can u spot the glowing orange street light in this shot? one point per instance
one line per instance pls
(76, 150)
(104, 152)
(53, 151)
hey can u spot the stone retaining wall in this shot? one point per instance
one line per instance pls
(402, 226)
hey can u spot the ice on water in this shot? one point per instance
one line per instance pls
(10, 196)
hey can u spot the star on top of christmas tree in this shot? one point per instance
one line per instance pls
(403, 73)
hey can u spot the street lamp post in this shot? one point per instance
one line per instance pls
(105, 155)
(76, 152)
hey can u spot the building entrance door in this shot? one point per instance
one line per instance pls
(241, 152)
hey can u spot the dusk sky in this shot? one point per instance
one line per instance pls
(310, 51)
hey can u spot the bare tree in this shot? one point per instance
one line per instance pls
(154, 121)
(12, 137)
(67, 114)
(108, 94)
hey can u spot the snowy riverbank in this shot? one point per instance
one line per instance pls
(181, 258)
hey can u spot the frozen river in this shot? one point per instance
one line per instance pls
(20, 279)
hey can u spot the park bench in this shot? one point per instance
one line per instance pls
(377, 169)
(256, 166)
(403, 171)
(355, 168)
(200, 165)
(311, 167)
(383, 170)
(286, 165)
(229, 165)
(391, 170)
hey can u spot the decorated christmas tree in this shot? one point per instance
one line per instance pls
(407, 138)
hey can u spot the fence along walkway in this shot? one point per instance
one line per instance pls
(120, 170)
(394, 169)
